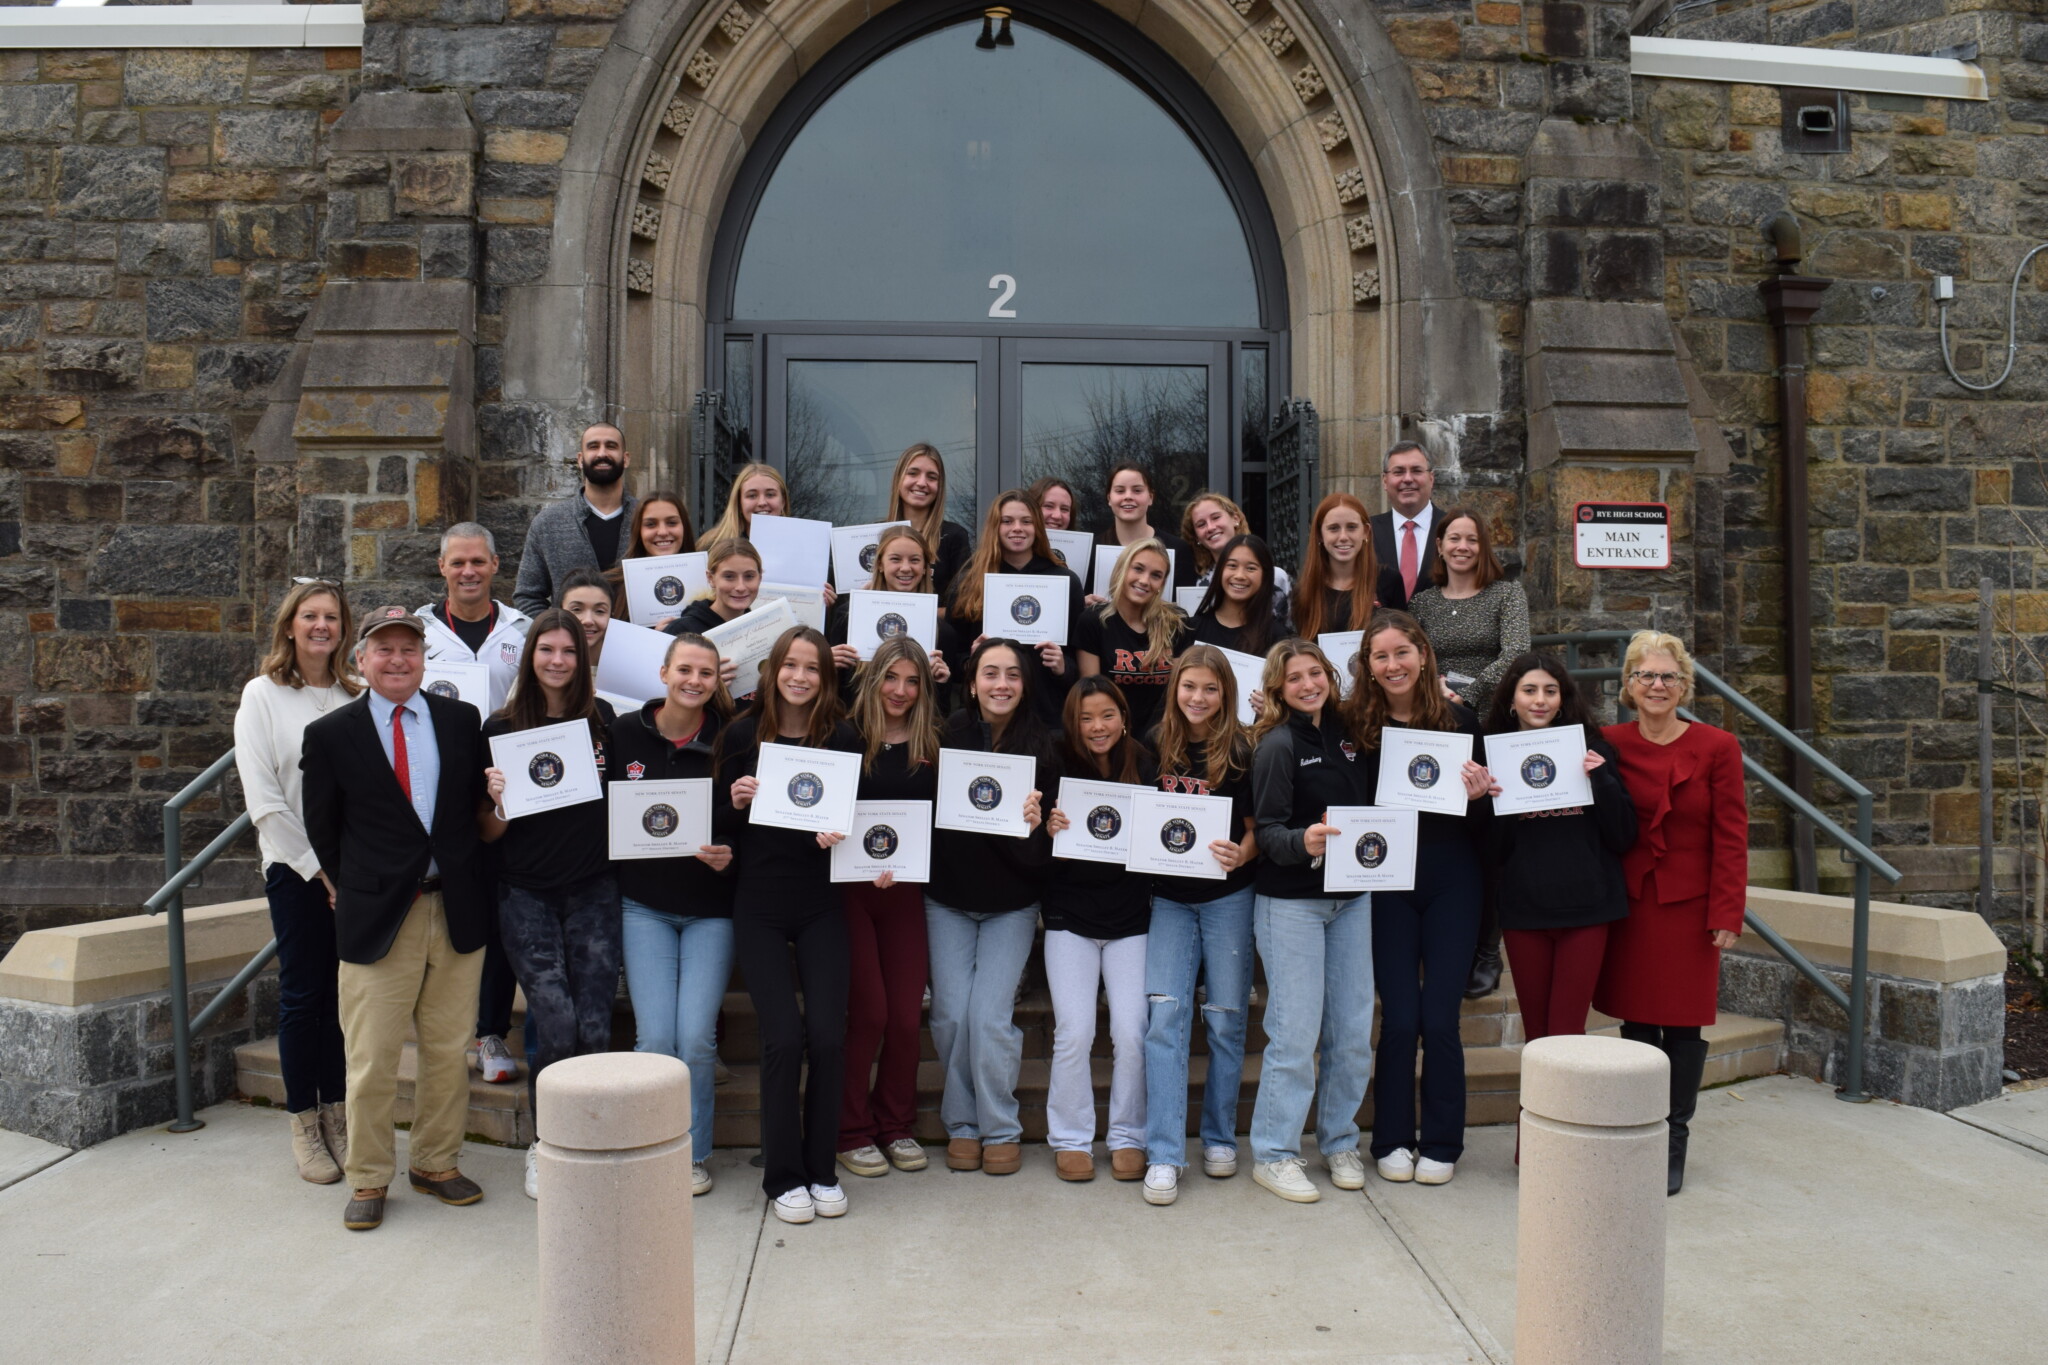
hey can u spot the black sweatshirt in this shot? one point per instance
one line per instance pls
(1438, 835)
(988, 873)
(683, 885)
(1120, 653)
(1190, 781)
(956, 544)
(893, 779)
(1561, 869)
(558, 848)
(1301, 770)
(698, 617)
(770, 856)
(1049, 690)
(1097, 900)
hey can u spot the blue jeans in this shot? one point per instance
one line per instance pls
(1422, 945)
(1318, 956)
(677, 969)
(977, 960)
(309, 1049)
(1214, 938)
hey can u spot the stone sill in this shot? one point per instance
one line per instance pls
(1910, 941)
(216, 25)
(1822, 68)
(90, 964)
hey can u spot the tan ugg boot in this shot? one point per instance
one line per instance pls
(334, 1127)
(309, 1149)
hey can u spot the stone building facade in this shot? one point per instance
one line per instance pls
(278, 312)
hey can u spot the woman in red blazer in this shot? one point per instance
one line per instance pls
(1687, 875)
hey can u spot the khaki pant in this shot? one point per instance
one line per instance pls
(425, 984)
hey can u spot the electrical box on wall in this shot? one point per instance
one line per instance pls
(1814, 120)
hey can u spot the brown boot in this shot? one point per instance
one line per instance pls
(963, 1154)
(1002, 1158)
(1127, 1163)
(309, 1149)
(1074, 1165)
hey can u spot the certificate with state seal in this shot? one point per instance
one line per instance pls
(1539, 770)
(805, 788)
(659, 819)
(1171, 834)
(747, 640)
(459, 680)
(1098, 820)
(984, 793)
(887, 836)
(872, 617)
(1423, 769)
(1026, 607)
(546, 768)
(1372, 850)
(854, 550)
(658, 587)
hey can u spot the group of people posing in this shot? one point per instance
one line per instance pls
(389, 896)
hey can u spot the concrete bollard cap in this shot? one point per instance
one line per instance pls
(1596, 1082)
(613, 1101)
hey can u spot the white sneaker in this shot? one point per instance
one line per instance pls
(829, 1200)
(794, 1206)
(1220, 1162)
(906, 1154)
(867, 1160)
(533, 1172)
(700, 1178)
(1429, 1172)
(1347, 1170)
(494, 1060)
(1398, 1166)
(1162, 1183)
(1287, 1179)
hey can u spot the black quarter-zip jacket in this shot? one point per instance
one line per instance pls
(1301, 769)
(640, 753)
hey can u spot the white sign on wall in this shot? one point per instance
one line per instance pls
(1621, 535)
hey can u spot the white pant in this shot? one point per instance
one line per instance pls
(1073, 967)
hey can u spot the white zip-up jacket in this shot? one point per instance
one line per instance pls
(501, 648)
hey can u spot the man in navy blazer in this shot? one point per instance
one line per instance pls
(1408, 526)
(393, 784)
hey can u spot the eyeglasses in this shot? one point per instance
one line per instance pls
(1656, 679)
(315, 583)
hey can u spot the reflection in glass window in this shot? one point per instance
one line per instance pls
(940, 167)
(849, 421)
(1082, 421)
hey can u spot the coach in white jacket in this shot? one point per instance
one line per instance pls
(468, 624)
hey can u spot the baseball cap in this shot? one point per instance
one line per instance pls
(376, 620)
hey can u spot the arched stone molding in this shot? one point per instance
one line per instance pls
(1323, 105)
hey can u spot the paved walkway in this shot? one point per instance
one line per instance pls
(1810, 1231)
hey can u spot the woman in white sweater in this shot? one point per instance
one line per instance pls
(306, 673)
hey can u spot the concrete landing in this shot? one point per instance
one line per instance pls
(2017, 1116)
(1810, 1230)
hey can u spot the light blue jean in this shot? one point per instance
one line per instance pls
(677, 969)
(1318, 956)
(977, 960)
(1214, 938)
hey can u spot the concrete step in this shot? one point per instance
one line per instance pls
(497, 1113)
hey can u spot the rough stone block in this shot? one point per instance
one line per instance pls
(111, 183)
(284, 137)
(170, 561)
(375, 260)
(197, 76)
(526, 108)
(203, 663)
(92, 364)
(159, 250)
(38, 113)
(476, 57)
(194, 310)
(448, 251)
(81, 663)
(265, 232)
(440, 184)
(420, 120)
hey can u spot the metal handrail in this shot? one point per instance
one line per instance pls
(1855, 1001)
(169, 901)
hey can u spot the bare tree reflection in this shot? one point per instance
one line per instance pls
(1153, 415)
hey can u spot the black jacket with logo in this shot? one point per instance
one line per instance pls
(1302, 769)
(683, 885)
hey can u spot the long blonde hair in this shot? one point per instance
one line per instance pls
(281, 664)
(871, 718)
(932, 518)
(1161, 617)
(735, 524)
(1225, 747)
(1271, 681)
(875, 580)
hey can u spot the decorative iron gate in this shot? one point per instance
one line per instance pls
(719, 446)
(1293, 450)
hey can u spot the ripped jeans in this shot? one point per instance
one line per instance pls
(1213, 938)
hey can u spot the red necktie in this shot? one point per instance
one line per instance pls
(398, 763)
(1408, 565)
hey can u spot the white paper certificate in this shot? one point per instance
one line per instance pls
(1342, 646)
(1105, 567)
(793, 549)
(1422, 769)
(459, 681)
(660, 819)
(806, 604)
(1189, 600)
(887, 836)
(546, 768)
(1539, 769)
(1171, 834)
(853, 553)
(1250, 672)
(872, 617)
(805, 788)
(984, 793)
(746, 640)
(660, 586)
(1372, 850)
(1072, 549)
(1028, 608)
(630, 663)
(1098, 820)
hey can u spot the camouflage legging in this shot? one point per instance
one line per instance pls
(564, 948)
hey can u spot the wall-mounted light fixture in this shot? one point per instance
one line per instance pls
(995, 29)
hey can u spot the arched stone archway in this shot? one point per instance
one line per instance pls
(1322, 104)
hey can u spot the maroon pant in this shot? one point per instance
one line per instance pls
(1555, 972)
(885, 1009)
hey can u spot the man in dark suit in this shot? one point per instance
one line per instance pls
(393, 783)
(1402, 538)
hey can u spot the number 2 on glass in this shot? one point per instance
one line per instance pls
(1008, 284)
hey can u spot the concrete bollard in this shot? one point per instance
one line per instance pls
(1589, 1257)
(617, 1278)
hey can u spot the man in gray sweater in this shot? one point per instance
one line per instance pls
(588, 531)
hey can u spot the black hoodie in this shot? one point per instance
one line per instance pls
(640, 753)
(1561, 869)
(1302, 769)
(1048, 689)
(989, 873)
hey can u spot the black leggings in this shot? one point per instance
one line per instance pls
(799, 1124)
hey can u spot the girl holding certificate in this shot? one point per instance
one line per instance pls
(981, 911)
(1130, 496)
(1316, 944)
(1339, 571)
(1096, 915)
(677, 912)
(917, 494)
(661, 526)
(1199, 926)
(902, 564)
(1013, 542)
(558, 903)
(1133, 636)
(784, 898)
(896, 715)
(1245, 608)
(734, 570)
(1422, 939)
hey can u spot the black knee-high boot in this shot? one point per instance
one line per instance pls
(1688, 1064)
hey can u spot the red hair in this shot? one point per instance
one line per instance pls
(1315, 574)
